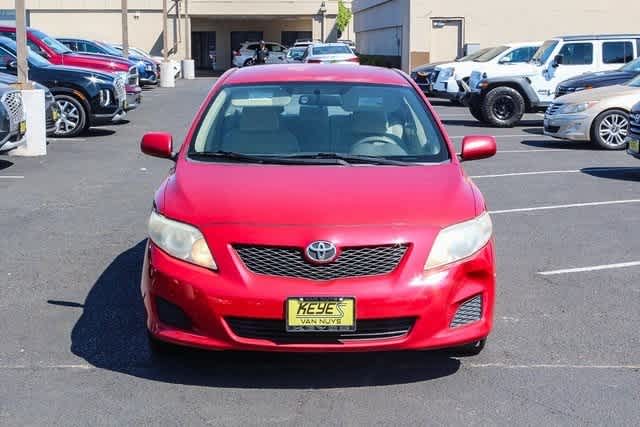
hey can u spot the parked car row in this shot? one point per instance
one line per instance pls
(306, 51)
(586, 85)
(87, 83)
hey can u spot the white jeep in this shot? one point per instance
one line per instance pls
(501, 96)
(452, 77)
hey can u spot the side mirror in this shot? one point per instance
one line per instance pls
(12, 65)
(475, 147)
(558, 60)
(157, 144)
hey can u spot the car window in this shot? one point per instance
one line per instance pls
(617, 52)
(91, 48)
(35, 48)
(293, 118)
(52, 43)
(521, 54)
(5, 59)
(490, 54)
(32, 57)
(331, 50)
(544, 52)
(577, 53)
(274, 48)
(252, 46)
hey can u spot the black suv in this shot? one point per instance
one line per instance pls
(85, 97)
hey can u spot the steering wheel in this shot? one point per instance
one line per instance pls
(379, 145)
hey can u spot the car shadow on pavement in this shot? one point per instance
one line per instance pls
(476, 124)
(5, 164)
(111, 334)
(562, 145)
(619, 173)
(97, 132)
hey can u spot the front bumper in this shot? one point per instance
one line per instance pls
(134, 98)
(573, 127)
(450, 89)
(210, 298)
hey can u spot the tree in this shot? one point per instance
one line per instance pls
(343, 18)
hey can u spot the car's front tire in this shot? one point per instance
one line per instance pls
(610, 129)
(503, 107)
(472, 349)
(73, 117)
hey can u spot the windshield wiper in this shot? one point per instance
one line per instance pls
(250, 158)
(351, 158)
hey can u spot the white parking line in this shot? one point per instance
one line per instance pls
(591, 268)
(525, 135)
(500, 175)
(537, 150)
(549, 366)
(11, 177)
(67, 139)
(572, 205)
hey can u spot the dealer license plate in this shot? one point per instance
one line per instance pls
(55, 115)
(125, 104)
(634, 146)
(23, 127)
(321, 314)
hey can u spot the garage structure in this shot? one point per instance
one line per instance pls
(408, 33)
(217, 26)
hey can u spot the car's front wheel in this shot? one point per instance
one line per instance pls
(472, 349)
(610, 130)
(248, 62)
(73, 117)
(503, 107)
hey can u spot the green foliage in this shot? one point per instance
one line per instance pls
(344, 16)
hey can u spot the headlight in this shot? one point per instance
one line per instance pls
(576, 108)
(447, 72)
(105, 97)
(180, 240)
(460, 241)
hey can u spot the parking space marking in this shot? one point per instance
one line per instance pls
(500, 175)
(572, 205)
(522, 135)
(67, 139)
(540, 150)
(590, 268)
(11, 177)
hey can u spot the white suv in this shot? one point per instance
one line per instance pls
(244, 56)
(452, 77)
(501, 97)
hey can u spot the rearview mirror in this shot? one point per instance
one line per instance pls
(475, 147)
(157, 144)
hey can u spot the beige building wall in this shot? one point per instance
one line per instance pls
(101, 20)
(488, 23)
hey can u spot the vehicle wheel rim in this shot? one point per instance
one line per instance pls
(69, 118)
(613, 130)
(503, 108)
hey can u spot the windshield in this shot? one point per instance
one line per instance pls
(635, 82)
(474, 55)
(544, 52)
(110, 49)
(331, 50)
(297, 119)
(32, 57)
(633, 66)
(490, 54)
(54, 44)
(296, 52)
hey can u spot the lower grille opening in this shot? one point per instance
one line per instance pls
(274, 330)
(468, 312)
(172, 315)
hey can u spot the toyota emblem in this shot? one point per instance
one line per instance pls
(321, 252)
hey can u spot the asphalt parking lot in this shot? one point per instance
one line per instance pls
(565, 349)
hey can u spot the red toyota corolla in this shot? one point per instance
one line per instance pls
(318, 208)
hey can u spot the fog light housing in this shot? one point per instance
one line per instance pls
(172, 315)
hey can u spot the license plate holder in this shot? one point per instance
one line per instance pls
(22, 127)
(320, 314)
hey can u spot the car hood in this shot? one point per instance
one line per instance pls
(77, 72)
(602, 78)
(598, 94)
(427, 67)
(203, 193)
(90, 58)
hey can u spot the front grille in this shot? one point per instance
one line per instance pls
(133, 77)
(274, 330)
(468, 312)
(352, 262)
(553, 109)
(121, 92)
(552, 129)
(12, 102)
(634, 124)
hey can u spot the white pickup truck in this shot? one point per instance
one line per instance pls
(501, 96)
(452, 77)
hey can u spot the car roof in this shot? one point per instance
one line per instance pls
(597, 37)
(521, 44)
(336, 73)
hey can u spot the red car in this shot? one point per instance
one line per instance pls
(318, 208)
(58, 54)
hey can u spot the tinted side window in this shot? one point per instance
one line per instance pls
(89, 47)
(34, 47)
(577, 53)
(521, 54)
(5, 59)
(617, 52)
